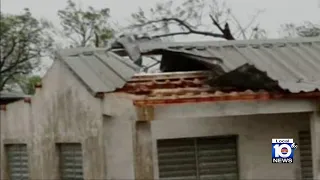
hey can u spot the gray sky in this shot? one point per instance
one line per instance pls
(276, 12)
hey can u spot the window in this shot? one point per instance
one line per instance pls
(198, 158)
(70, 161)
(305, 155)
(17, 158)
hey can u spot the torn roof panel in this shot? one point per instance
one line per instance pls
(290, 64)
(294, 63)
(99, 70)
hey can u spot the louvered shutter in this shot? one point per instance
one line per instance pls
(18, 161)
(305, 155)
(71, 162)
(198, 159)
(177, 159)
(217, 158)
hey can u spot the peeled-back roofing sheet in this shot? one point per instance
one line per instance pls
(294, 64)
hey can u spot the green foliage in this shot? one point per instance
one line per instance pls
(25, 39)
(85, 27)
(23, 42)
(27, 84)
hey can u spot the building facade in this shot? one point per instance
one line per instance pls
(153, 126)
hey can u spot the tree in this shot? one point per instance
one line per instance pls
(167, 19)
(307, 29)
(85, 27)
(23, 42)
(28, 83)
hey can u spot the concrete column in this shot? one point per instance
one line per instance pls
(315, 142)
(143, 150)
(3, 158)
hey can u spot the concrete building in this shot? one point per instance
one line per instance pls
(95, 117)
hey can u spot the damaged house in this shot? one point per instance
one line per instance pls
(210, 114)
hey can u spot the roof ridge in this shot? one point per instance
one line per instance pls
(234, 42)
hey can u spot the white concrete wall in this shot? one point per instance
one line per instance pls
(255, 134)
(61, 111)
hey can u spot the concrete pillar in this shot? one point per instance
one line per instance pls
(143, 150)
(3, 162)
(315, 143)
(93, 158)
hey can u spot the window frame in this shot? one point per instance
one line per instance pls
(60, 163)
(7, 160)
(195, 140)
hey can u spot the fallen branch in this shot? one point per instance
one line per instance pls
(225, 31)
(190, 32)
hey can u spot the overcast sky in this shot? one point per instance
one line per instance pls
(276, 12)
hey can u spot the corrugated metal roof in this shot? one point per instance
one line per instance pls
(9, 97)
(191, 87)
(294, 64)
(12, 95)
(99, 70)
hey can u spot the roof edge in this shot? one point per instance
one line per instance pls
(237, 42)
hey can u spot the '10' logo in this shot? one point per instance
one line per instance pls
(283, 150)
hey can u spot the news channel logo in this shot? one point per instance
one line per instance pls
(283, 150)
